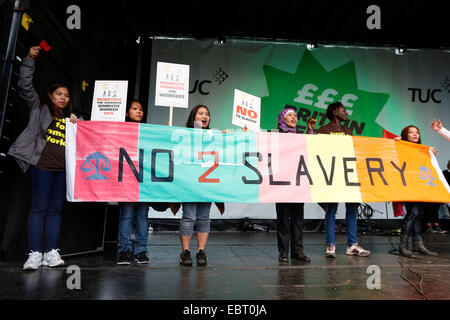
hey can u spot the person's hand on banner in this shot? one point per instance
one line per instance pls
(433, 149)
(398, 138)
(73, 118)
(436, 125)
(34, 52)
(245, 129)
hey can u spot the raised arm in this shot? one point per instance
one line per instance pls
(25, 83)
(439, 128)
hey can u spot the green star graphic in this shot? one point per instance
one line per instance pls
(311, 89)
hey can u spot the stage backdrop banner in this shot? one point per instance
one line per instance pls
(114, 161)
(383, 92)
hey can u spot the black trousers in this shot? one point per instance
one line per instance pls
(290, 227)
(431, 212)
(412, 222)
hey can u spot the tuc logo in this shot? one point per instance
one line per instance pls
(97, 162)
(424, 96)
(219, 76)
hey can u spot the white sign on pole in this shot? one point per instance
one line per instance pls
(110, 100)
(246, 110)
(172, 85)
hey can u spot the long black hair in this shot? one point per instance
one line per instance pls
(67, 110)
(191, 118)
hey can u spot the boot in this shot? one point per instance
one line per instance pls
(404, 247)
(413, 244)
(421, 248)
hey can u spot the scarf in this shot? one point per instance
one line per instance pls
(282, 123)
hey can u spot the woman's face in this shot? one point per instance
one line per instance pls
(202, 118)
(291, 119)
(60, 98)
(135, 113)
(413, 135)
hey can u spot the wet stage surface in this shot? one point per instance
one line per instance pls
(241, 266)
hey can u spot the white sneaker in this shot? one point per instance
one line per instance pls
(52, 259)
(357, 250)
(34, 261)
(331, 251)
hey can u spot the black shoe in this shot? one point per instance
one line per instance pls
(141, 258)
(124, 257)
(283, 257)
(300, 256)
(185, 258)
(201, 257)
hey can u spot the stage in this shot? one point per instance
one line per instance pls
(241, 266)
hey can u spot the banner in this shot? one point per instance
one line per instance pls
(112, 161)
(383, 92)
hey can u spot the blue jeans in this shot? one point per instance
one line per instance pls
(128, 212)
(351, 219)
(48, 190)
(195, 212)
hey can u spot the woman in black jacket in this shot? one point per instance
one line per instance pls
(290, 215)
(41, 148)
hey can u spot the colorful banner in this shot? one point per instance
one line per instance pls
(112, 161)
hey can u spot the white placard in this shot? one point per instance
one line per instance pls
(172, 85)
(246, 110)
(110, 100)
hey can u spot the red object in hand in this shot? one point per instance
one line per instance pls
(44, 45)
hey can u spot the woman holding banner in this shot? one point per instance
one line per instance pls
(195, 212)
(412, 222)
(290, 215)
(337, 113)
(41, 148)
(133, 210)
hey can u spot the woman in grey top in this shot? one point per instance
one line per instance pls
(40, 148)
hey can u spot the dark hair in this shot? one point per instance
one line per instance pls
(191, 118)
(129, 107)
(332, 107)
(67, 110)
(405, 131)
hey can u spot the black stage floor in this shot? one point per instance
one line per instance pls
(241, 266)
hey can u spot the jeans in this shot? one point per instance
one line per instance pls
(128, 212)
(195, 212)
(412, 222)
(351, 220)
(290, 227)
(48, 190)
